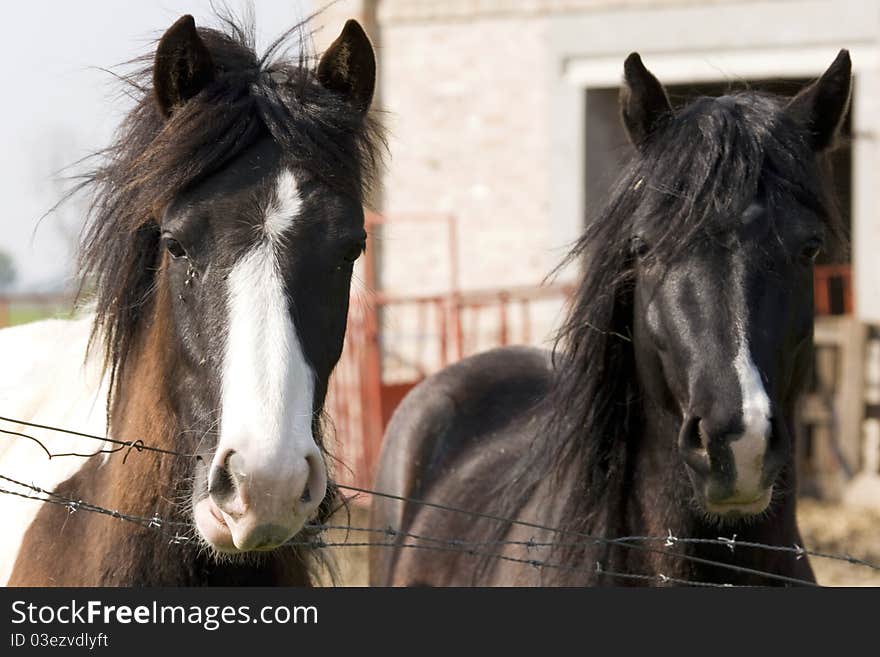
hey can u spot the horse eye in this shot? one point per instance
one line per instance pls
(638, 247)
(175, 248)
(353, 253)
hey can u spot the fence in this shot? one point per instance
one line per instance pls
(394, 341)
(178, 532)
(380, 365)
(837, 418)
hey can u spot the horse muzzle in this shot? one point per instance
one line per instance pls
(253, 508)
(732, 473)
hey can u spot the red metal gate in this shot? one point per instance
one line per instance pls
(374, 373)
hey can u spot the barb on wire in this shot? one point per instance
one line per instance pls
(798, 551)
(535, 563)
(74, 505)
(137, 445)
(729, 542)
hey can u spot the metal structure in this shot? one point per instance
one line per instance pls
(381, 363)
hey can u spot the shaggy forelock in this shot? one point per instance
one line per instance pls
(152, 160)
(690, 181)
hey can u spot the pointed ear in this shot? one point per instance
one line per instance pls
(183, 66)
(349, 66)
(821, 107)
(643, 100)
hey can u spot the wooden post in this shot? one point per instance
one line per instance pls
(851, 392)
(825, 429)
(840, 370)
(371, 377)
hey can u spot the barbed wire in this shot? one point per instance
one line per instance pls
(628, 542)
(668, 540)
(73, 505)
(317, 543)
(535, 563)
(584, 536)
(138, 444)
(581, 535)
(439, 545)
(732, 542)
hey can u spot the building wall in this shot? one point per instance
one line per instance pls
(486, 103)
(468, 109)
(466, 104)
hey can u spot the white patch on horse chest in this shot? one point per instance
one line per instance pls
(749, 448)
(46, 379)
(267, 384)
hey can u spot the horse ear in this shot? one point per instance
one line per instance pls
(183, 66)
(349, 66)
(821, 107)
(643, 100)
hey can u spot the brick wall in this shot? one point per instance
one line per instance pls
(467, 112)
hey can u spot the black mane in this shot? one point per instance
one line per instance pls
(691, 181)
(152, 160)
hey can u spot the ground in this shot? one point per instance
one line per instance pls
(825, 527)
(841, 530)
(351, 562)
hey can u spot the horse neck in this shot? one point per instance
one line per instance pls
(148, 483)
(656, 499)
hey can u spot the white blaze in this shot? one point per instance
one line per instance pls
(284, 208)
(267, 384)
(749, 448)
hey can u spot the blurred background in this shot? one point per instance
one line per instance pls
(504, 133)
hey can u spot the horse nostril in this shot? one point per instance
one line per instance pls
(222, 486)
(702, 436)
(693, 436)
(314, 485)
(693, 442)
(778, 435)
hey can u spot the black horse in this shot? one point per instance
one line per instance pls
(668, 404)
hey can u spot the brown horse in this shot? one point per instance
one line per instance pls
(669, 404)
(226, 220)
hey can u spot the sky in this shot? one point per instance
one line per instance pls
(57, 107)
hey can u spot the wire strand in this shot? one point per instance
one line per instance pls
(583, 535)
(630, 542)
(139, 444)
